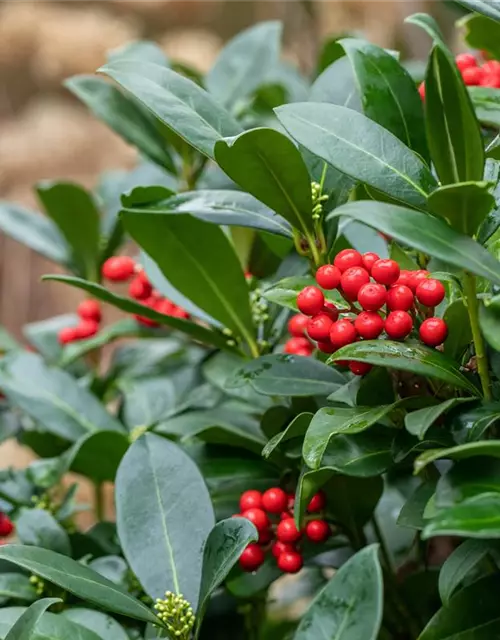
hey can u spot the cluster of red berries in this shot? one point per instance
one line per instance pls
(390, 300)
(6, 526)
(90, 315)
(271, 513)
(473, 73)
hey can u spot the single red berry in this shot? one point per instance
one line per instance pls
(342, 333)
(433, 331)
(404, 277)
(472, 76)
(372, 296)
(67, 335)
(138, 289)
(251, 499)
(294, 345)
(491, 80)
(118, 268)
(290, 562)
(400, 298)
(318, 327)
(430, 292)
(398, 324)
(416, 278)
(310, 300)
(286, 531)
(330, 309)
(304, 352)
(265, 537)
(142, 275)
(328, 276)
(86, 329)
(281, 547)
(360, 368)
(274, 500)
(252, 558)
(179, 312)
(369, 325)
(421, 90)
(325, 346)
(317, 530)
(257, 517)
(385, 271)
(297, 325)
(348, 258)
(369, 259)
(89, 310)
(465, 60)
(352, 280)
(317, 502)
(6, 525)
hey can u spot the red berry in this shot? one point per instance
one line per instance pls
(265, 537)
(400, 298)
(274, 500)
(416, 278)
(342, 333)
(369, 325)
(433, 331)
(385, 271)
(328, 276)
(398, 324)
(251, 499)
(430, 292)
(352, 280)
(325, 346)
(163, 305)
(465, 60)
(360, 368)
(291, 502)
(280, 547)
(421, 90)
(297, 325)
(310, 300)
(142, 275)
(372, 296)
(257, 517)
(348, 258)
(490, 80)
(252, 558)
(118, 268)
(317, 530)
(472, 76)
(297, 345)
(369, 259)
(404, 277)
(285, 515)
(318, 327)
(179, 312)
(290, 562)
(6, 526)
(317, 502)
(67, 335)
(89, 310)
(304, 352)
(287, 531)
(138, 289)
(330, 309)
(86, 329)
(492, 66)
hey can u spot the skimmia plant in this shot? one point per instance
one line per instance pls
(312, 344)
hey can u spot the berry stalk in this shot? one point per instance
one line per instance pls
(469, 282)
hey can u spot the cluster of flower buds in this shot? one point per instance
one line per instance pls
(177, 615)
(474, 73)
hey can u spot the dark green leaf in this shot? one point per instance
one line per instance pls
(104, 626)
(417, 422)
(24, 627)
(493, 149)
(456, 567)
(296, 429)
(464, 205)
(39, 528)
(477, 517)
(467, 450)
(468, 479)
(412, 513)
(17, 586)
(98, 455)
(481, 33)
(459, 337)
(285, 292)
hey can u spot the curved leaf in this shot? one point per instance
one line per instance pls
(39, 528)
(487, 8)
(477, 517)
(336, 85)
(285, 291)
(468, 478)
(25, 625)
(456, 566)
(467, 450)
(486, 103)
(464, 205)
(297, 428)
(104, 626)
(17, 586)
(417, 422)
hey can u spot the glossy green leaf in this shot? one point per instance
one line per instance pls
(296, 429)
(413, 357)
(493, 149)
(39, 528)
(464, 205)
(23, 628)
(424, 233)
(482, 33)
(458, 565)
(287, 375)
(428, 24)
(350, 605)
(487, 8)
(418, 422)
(412, 513)
(268, 165)
(104, 626)
(467, 450)
(158, 488)
(486, 101)
(285, 292)
(77, 579)
(477, 517)
(178, 102)
(17, 586)
(359, 147)
(467, 479)
(459, 337)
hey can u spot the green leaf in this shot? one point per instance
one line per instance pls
(147, 401)
(493, 149)
(424, 233)
(104, 626)
(98, 455)
(481, 33)
(487, 8)
(477, 517)
(287, 375)
(413, 357)
(412, 513)
(145, 50)
(486, 101)
(464, 205)
(178, 102)
(48, 627)
(336, 85)
(43, 335)
(77, 579)
(350, 605)
(467, 479)
(359, 147)
(24, 627)
(17, 586)
(158, 488)
(459, 337)
(428, 24)
(74, 211)
(417, 422)
(211, 275)
(127, 118)
(39, 528)
(388, 93)
(244, 63)
(34, 231)
(458, 565)
(467, 450)
(296, 429)
(268, 165)
(285, 292)
(453, 131)
(53, 397)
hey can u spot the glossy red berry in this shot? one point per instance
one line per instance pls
(257, 517)
(274, 500)
(491, 80)
(416, 278)
(348, 258)
(352, 280)
(318, 327)
(304, 352)
(492, 66)
(342, 333)
(398, 324)
(404, 278)
(369, 325)
(317, 502)
(281, 547)
(386, 271)
(67, 335)
(369, 259)
(330, 309)
(290, 562)
(89, 310)
(472, 76)
(360, 368)
(421, 90)
(328, 276)
(297, 325)
(433, 331)
(286, 531)
(86, 329)
(325, 346)
(372, 296)
(6, 526)
(430, 292)
(118, 268)
(297, 346)
(317, 530)
(251, 499)
(252, 558)
(465, 61)
(138, 289)
(310, 301)
(400, 298)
